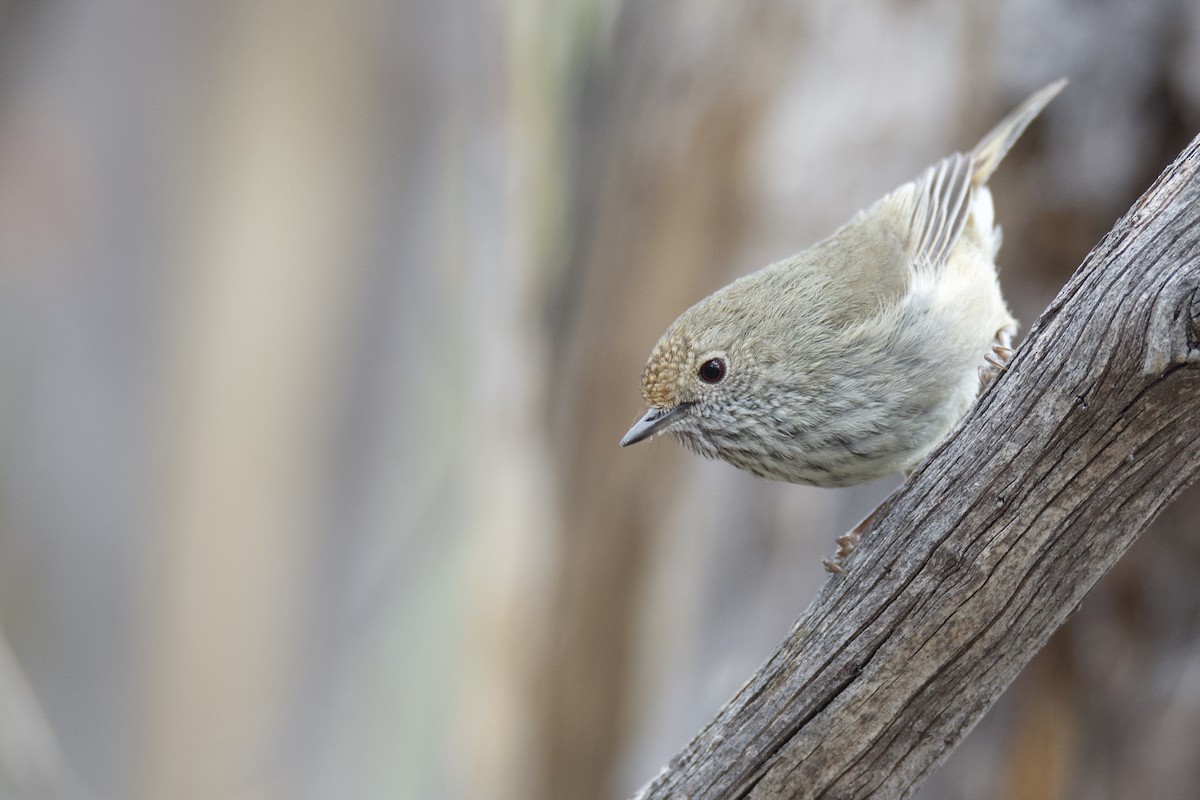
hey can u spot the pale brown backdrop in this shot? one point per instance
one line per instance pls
(320, 324)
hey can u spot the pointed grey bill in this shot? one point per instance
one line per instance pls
(653, 421)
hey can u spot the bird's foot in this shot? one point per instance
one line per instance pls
(997, 360)
(847, 543)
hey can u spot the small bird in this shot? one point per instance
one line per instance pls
(853, 359)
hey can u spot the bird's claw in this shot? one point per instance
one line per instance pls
(833, 566)
(847, 543)
(997, 360)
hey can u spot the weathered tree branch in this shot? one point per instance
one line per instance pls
(993, 542)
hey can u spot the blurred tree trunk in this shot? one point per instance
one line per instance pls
(662, 130)
(272, 226)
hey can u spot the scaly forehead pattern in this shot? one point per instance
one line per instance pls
(667, 364)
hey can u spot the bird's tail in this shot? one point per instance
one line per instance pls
(992, 148)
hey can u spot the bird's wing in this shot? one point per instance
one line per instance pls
(934, 209)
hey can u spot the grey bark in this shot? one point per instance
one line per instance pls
(992, 543)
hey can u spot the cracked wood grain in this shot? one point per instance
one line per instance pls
(993, 542)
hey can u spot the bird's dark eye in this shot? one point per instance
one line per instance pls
(713, 370)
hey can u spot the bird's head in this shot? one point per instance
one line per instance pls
(693, 375)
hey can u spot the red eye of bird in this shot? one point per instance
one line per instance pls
(713, 370)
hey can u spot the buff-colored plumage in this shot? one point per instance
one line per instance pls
(851, 360)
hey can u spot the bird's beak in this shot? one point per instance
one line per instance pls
(653, 421)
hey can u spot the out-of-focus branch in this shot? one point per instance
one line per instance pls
(990, 546)
(32, 764)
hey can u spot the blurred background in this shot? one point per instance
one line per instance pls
(320, 322)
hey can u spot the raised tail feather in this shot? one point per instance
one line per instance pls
(992, 148)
